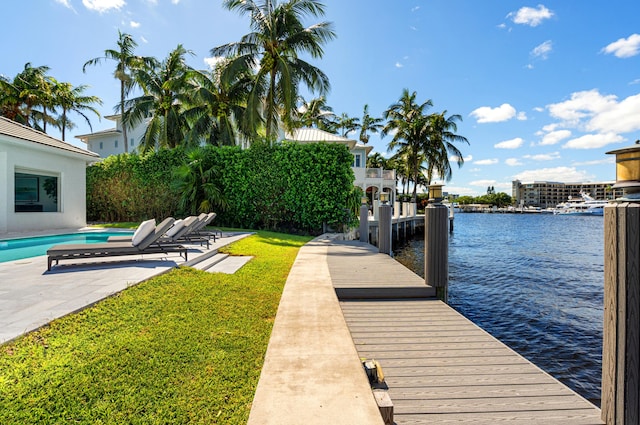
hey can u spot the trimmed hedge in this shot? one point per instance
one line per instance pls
(293, 187)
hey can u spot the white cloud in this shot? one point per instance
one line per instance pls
(466, 159)
(213, 61)
(134, 24)
(486, 114)
(65, 3)
(590, 111)
(103, 5)
(593, 141)
(483, 183)
(144, 40)
(175, 1)
(415, 9)
(558, 174)
(512, 162)
(486, 161)
(608, 160)
(621, 117)
(522, 116)
(399, 65)
(544, 156)
(530, 16)
(542, 51)
(624, 47)
(555, 137)
(583, 104)
(510, 144)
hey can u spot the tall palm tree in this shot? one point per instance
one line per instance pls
(72, 99)
(346, 124)
(272, 49)
(407, 120)
(315, 113)
(217, 108)
(165, 98)
(440, 144)
(126, 62)
(368, 125)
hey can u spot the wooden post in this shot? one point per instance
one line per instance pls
(384, 229)
(436, 249)
(621, 338)
(364, 223)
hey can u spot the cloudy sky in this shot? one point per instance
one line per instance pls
(544, 88)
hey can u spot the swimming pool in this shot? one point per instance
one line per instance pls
(17, 249)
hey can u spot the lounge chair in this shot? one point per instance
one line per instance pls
(144, 241)
(209, 233)
(181, 231)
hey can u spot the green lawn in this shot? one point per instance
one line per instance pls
(184, 348)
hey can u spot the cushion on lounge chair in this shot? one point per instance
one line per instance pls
(177, 225)
(145, 229)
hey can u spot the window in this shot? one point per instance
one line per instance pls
(116, 144)
(357, 161)
(35, 192)
(131, 142)
(100, 145)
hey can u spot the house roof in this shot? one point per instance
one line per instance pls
(28, 134)
(311, 135)
(107, 132)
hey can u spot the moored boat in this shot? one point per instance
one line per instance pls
(585, 205)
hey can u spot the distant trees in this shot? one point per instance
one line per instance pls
(38, 100)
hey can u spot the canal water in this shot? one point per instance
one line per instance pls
(535, 282)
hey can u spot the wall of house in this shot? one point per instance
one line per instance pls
(69, 168)
(109, 146)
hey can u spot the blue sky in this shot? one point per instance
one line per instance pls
(544, 88)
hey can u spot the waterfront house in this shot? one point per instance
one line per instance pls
(42, 184)
(372, 181)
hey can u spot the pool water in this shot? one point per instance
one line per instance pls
(17, 249)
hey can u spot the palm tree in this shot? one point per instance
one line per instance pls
(315, 113)
(217, 107)
(126, 62)
(407, 120)
(27, 91)
(440, 143)
(376, 160)
(165, 97)
(272, 49)
(194, 181)
(346, 124)
(369, 125)
(72, 99)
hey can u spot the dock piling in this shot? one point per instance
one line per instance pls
(621, 345)
(436, 248)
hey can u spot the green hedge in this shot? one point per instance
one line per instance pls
(292, 187)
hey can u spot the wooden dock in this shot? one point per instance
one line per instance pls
(439, 367)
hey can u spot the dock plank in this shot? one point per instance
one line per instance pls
(439, 367)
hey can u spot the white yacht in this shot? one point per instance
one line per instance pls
(585, 205)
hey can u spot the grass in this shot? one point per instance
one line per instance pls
(183, 348)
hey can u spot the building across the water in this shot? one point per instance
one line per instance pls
(544, 194)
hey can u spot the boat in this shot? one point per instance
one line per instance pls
(585, 205)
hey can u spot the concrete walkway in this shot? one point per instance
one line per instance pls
(312, 373)
(31, 297)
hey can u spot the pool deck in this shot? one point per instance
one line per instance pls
(31, 297)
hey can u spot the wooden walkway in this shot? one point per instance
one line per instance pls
(440, 367)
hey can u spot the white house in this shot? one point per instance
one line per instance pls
(111, 141)
(42, 180)
(372, 181)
